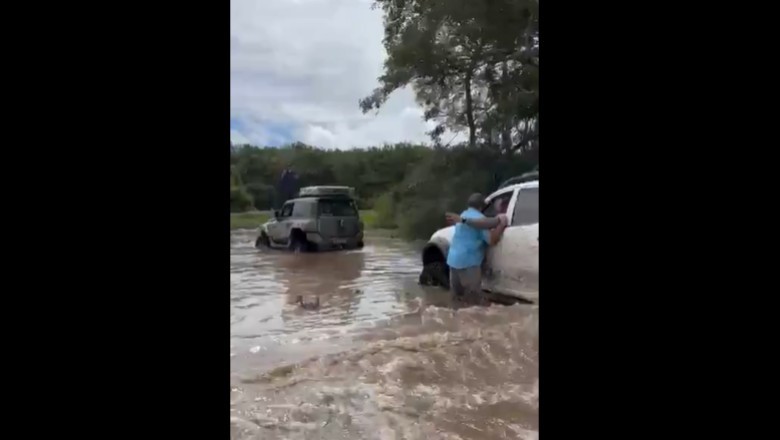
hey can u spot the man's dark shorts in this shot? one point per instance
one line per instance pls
(466, 284)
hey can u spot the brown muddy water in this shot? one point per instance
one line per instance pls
(382, 358)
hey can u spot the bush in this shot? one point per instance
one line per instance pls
(262, 195)
(443, 183)
(384, 207)
(240, 200)
(408, 187)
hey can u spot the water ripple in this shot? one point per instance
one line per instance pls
(382, 358)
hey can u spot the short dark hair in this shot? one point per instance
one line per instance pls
(476, 201)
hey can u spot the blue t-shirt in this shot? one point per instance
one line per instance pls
(467, 248)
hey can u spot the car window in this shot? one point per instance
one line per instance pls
(286, 210)
(526, 207)
(337, 208)
(302, 209)
(498, 205)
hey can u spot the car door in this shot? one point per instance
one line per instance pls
(337, 219)
(516, 257)
(278, 231)
(499, 203)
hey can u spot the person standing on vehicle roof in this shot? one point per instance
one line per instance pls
(467, 249)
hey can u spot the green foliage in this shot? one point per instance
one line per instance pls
(262, 195)
(444, 182)
(370, 171)
(248, 220)
(408, 187)
(240, 200)
(369, 219)
(473, 65)
(385, 208)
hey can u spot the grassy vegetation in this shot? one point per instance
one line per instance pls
(253, 219)
(369, 218)
(248, 220)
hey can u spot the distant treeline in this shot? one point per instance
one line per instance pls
(474, 69)
(409, 186)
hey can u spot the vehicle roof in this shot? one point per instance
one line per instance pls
(316, 198)
(326, 190)
(524, 185)
(525, 177)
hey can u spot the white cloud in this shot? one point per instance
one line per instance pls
(298, 69)
(236, 138)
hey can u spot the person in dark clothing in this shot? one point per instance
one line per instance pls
(287, 186)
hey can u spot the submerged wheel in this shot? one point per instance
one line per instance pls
(435, 274)
(298, 243)
(295, 244)
(262, 240)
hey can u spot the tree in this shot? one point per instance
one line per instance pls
(473, 65)
(240, 200)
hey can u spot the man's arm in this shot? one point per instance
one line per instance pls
(497, 233)
(477, 223)
(493, 236)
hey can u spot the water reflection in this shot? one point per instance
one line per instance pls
(330, 276)
(356, 289)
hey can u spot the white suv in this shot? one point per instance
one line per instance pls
(511, 267)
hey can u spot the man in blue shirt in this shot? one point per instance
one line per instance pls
(467, 252)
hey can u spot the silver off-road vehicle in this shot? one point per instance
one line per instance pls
(321, 218)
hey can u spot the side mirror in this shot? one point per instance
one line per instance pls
(276, 213)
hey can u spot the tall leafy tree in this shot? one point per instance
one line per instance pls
(473, 65)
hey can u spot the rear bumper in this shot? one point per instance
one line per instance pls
(353, 242)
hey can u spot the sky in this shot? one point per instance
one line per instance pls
(298, 69)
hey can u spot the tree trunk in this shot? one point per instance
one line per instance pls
(506, 132)
(470, 111)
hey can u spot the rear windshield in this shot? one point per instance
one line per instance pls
(337, 208)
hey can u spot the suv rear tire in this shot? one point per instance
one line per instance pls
(298, 242)
(435, 274)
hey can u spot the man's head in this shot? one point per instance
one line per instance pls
(476, 201)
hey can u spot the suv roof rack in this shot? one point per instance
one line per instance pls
(527, 177)
(319, 191)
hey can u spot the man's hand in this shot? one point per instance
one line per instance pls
(498, 232)
(452, 218)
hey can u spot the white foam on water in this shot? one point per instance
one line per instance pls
(382, 358)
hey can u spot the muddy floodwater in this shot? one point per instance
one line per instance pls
(381, 358)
